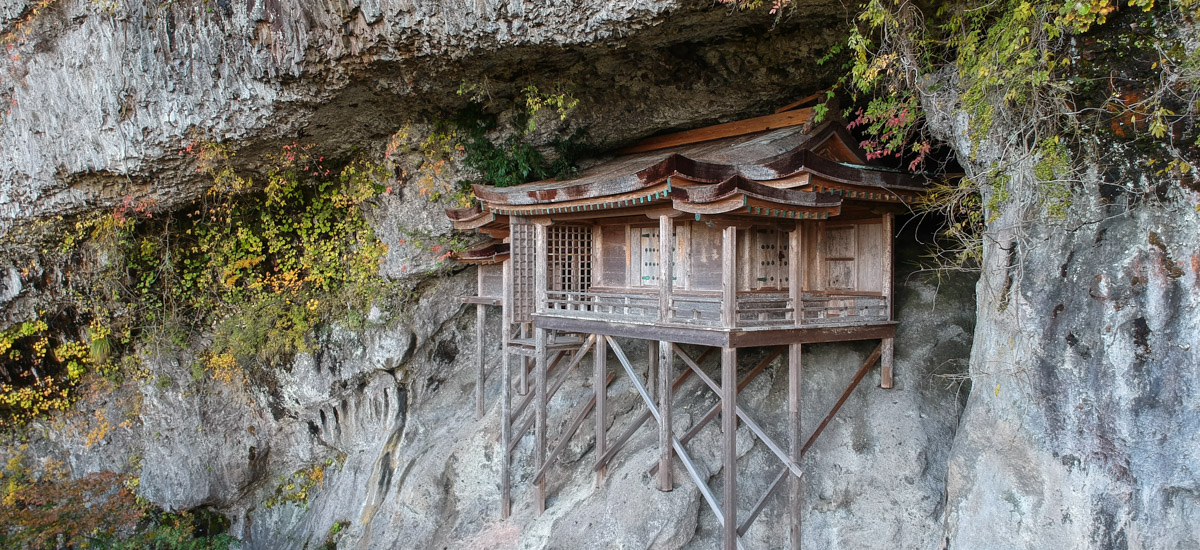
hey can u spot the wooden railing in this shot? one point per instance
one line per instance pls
(828, 309)
(753, 309)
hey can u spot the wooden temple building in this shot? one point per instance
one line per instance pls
(768, 232)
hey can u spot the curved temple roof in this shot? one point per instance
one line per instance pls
(784, 172)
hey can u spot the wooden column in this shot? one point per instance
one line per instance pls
(524, 381)
(796, 273)
(600, 388)
(506, 394)
(540, 267)
(729, 276)
(888, 260)
(796, 442)
(729, 446)
(539, 411)
(481, 374)
(651, 365)
(822, 278)
(539, 365)
(888, 349)
(665, 242)
(665, 453)
(795, 385)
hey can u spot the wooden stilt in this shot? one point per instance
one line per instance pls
(665, 363)
(481, 374)
(539, 411)
(506, 396)
(600, 389)
(729, 447)
(524, 390)
(716, 408)
(539, 376)
(728, 276)
(887, 350)
(633, 427)
(795, 442)
(652, 356)
(888, 346)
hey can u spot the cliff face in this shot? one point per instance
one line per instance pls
(1077, 426)
(1081, 429)
(101, 99)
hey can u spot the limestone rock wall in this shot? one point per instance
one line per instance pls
(102, 98)
(1081, 428)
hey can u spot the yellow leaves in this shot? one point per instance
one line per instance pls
(99, 430)
(223, 367)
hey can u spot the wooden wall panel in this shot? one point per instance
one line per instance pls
(840, 250)
(643, 246)
(614, 256)
(705, 258)
(869, 258)
(813, 256)
(491, 280)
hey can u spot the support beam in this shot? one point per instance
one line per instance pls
(652, 357)
(885, 369)
(729, 276)
(889, 260)
(506, 396)
(560, 376)
(796, 273)
(858, 376)
(716, 408)
(567, 434)
(606, 457)
(666, 242)
(480, 374)
(795, 446)
(599, 373)
(665, 364)
(539, 410)
(729, 538)
(887, 351)
(524, 389)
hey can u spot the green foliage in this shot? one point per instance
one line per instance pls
(267, 267)
(472, 138)
(515, 161)
(1043, 73)
(255, 265)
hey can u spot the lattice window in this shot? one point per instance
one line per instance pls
(522, 258)
(569, 258)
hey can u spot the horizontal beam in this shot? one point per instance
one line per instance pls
(720, 337)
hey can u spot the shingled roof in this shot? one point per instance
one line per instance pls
(792, 172)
